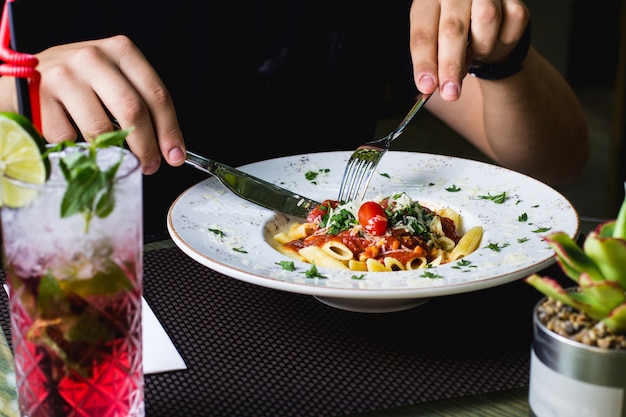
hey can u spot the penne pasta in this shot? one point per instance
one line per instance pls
(468, 243)
(387, 234)
(316, 255)
(445, 243)
(337, 250)
(355, 265)
(418, 262)
(374, 265)
(283, 238)
(393, 264)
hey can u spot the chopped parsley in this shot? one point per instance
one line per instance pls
(240, 250)
(412, 217)
(453, 189)
(338, 221)
(498, 199)
(496, 246)
(541, 229)
(428, 274)
(287, 265)
(523, 217)
(217, 232)
(312, 175)
(312, 272)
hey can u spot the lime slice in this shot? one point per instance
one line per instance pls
(21, 148)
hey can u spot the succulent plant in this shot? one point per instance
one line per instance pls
(599, 270)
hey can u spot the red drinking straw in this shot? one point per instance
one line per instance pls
(22, 66)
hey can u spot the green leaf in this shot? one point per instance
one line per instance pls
(620, 224)
(571, 257)
(90, 190)
(51, 302)
(114, 138)
(90, 326)
(287, 265)
(82, 187)
(616, 321)
(551, 288)
(606, 295)
(105, 201)
(101, 283)
(609, 254)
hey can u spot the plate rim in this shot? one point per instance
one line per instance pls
(360, 293)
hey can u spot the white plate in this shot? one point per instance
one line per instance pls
(245, 250)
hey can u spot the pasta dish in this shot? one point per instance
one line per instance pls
(385, 234)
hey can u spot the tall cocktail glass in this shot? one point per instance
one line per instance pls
(75, 296)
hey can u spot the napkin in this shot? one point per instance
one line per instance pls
(159, 352)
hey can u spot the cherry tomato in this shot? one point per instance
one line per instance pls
(372, 218)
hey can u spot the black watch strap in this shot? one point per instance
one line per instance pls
(510, 66)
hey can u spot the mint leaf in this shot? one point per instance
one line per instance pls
(106, 282)
(51, 302)
(90, 190)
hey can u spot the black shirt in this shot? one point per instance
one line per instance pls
(250, 80)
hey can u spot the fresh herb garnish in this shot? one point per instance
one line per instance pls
(240, 250)
(217, 232)
(89, 189)
(428, 274)
(453, 189)
(339, 221)
(497, 246)
(523, 217)
(312, 175)
(464, 265)
(312, 272)
(522, 240)
(498, 199)
(541, 229)
(287, 265)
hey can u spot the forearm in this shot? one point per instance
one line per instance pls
(531, 122)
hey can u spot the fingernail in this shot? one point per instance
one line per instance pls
(427, 83)
(176, 154)
(450, 90)
(151, 167)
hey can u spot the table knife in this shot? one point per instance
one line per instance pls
(254, 189)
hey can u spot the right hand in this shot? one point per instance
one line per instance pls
(85, 84)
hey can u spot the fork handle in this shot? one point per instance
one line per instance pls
(421, 100)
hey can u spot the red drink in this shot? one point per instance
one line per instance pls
(99, 372)
(75, 300)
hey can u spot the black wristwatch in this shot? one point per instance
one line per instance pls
(510, 66)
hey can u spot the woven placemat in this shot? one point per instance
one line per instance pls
(255, 351)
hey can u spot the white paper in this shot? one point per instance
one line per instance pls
(159, 353)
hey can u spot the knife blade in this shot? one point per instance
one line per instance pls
(254, 189)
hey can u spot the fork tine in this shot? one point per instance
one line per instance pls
(365, 158)
(359, 192)
(356, 172)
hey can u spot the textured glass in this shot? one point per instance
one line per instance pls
(75, 300)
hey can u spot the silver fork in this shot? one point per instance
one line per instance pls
(365, 158)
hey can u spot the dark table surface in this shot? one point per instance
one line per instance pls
(255, 351)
